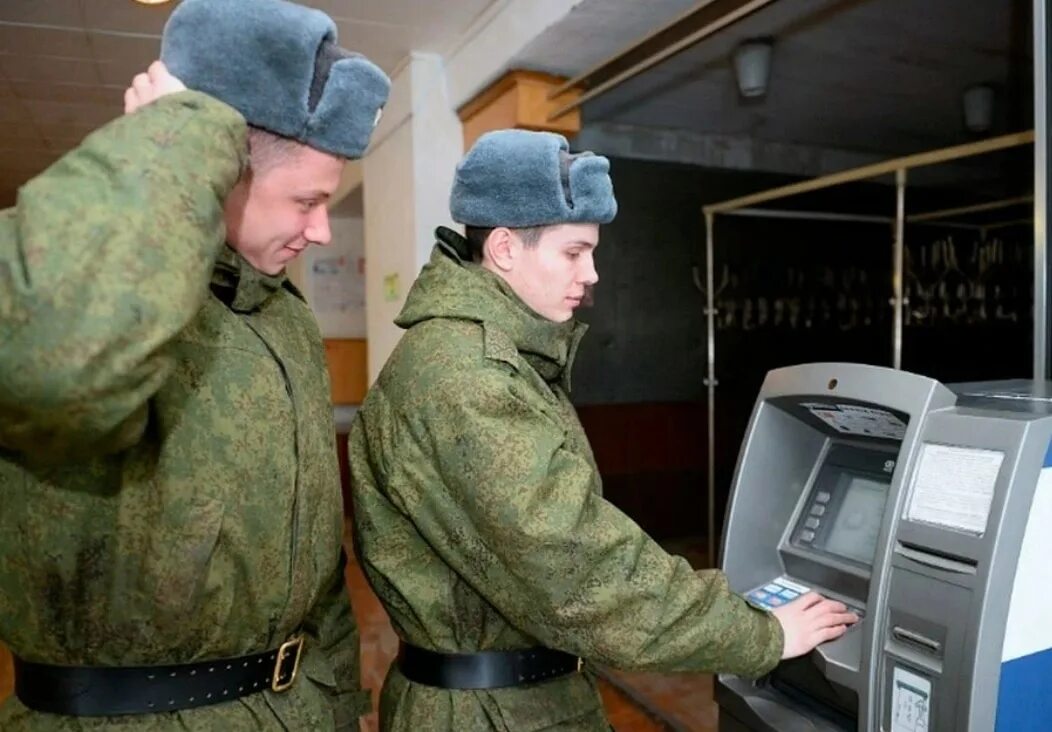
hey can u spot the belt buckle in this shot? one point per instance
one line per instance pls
(291, 647)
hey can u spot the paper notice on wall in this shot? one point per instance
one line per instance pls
(954, 487)
(337, 283)
(910, 702)
(854, 419)
(392, 287)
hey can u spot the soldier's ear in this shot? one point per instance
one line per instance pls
(501, 249)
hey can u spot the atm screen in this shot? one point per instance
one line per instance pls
(844, 509)
(852, 533)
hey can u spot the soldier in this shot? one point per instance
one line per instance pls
(478, 512)
(171, 525)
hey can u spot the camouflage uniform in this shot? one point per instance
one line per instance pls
(168, 475)
(480, 523)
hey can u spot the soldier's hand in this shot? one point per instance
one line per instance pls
(154, 84)
(811, 620)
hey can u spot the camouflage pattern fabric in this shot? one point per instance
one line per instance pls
(168, 475)
(480, 523)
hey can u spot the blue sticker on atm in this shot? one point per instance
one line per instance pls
(777, 592)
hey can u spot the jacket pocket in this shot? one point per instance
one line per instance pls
(178, 566)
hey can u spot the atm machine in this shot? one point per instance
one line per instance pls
(928, 510)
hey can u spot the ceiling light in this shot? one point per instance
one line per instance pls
(151, 2)
(752, 66)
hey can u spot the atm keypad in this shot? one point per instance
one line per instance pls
(782, 591)
(776, 593)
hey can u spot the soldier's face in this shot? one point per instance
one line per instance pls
(274, 214)
(552, 276)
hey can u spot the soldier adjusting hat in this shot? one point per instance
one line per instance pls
(278, 64)
(520, 179)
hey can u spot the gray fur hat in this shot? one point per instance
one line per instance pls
(520, 179)
(278, 64)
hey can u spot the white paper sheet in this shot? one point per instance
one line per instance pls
(910, 701)
(954, 487)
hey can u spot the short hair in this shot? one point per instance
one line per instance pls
(477, 235)
(267, 150)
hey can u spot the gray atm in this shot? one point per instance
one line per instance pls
(926, 509)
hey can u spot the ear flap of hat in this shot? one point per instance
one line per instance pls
(592, 190)
(349, 108)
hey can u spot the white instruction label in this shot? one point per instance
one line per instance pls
(795, 586)
(910, 701)
(954, 487)
(852, 419)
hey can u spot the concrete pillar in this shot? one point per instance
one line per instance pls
(407, 178)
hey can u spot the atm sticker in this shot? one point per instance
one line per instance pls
(910, 702)
(852, 419)
(789, 584)
(954, 487)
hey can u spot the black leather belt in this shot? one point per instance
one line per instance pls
(486, 669)
(84, 691)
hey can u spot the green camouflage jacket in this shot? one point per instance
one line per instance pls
(480, 523)
(168, 475)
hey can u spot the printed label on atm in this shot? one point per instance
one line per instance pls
(852, 419)
(788, 583)
(910, 701)
(954, 487)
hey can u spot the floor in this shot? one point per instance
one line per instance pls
(634, 702)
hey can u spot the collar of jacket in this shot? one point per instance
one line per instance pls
(451, 286)
(240, 285)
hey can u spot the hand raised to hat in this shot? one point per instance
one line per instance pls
(147, 87)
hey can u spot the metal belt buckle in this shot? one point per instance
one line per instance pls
(291, 648)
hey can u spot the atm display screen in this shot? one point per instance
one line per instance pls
(853, 528)
(844, 509)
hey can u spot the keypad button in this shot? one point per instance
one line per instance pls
(823, 497)
(811, 523)
(807, 536)
(818, 510)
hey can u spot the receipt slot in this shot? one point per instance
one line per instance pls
(928, 510)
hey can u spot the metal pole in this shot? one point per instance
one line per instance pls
(897, 275)
(974, 208)
(585, 77)
(743, 8)
(775, 213)
(710, 380)
(886, 167)
(1040, 190)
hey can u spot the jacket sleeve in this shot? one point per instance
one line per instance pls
(104, 259)
(333, 623)
(516, 514)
